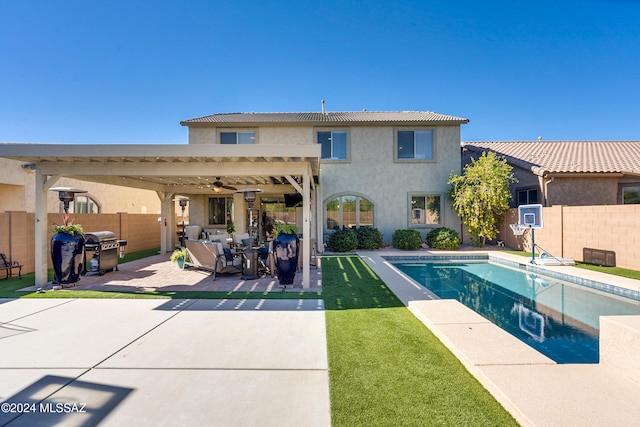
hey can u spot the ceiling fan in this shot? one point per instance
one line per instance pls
(218, 185)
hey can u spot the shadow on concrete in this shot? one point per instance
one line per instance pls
(56, 400)
(224, 304)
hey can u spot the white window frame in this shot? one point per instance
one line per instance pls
(347, 158)
(238, 132)
(358, 198)
(433, 158)
(90, 200)
(411, 210)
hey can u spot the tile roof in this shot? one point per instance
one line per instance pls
(362, 117)
(543, 157)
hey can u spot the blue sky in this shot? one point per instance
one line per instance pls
(98, 72)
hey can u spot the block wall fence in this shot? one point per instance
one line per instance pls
(17, 232)
(569, 229)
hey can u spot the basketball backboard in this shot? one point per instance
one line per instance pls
(530, 216)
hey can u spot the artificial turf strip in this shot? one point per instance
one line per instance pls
(10, 288)
(385, 367)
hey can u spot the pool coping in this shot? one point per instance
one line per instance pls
(532, 387)
(628, 288)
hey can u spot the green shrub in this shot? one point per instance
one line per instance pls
(344, 240)
(443, 238)
(408, 240)
(369, 238)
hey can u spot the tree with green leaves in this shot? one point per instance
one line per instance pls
(480, 196)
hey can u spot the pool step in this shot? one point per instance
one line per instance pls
(620, 344)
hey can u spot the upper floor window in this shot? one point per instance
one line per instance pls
(334, 144)
(414, 145)
(631, 195)
(528, 197)
(425, 210)
(84, 204)
(237, 137)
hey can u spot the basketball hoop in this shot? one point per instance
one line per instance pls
(518, 230)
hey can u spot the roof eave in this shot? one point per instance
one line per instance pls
(316, 123)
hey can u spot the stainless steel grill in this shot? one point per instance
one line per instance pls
(104, 248)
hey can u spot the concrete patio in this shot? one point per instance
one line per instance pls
(157, 273)
(87, 362)
(247, 361)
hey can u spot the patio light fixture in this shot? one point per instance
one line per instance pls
(250, 198)
(67, 195)
(183, 204)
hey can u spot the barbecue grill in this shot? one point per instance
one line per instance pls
(104, 248)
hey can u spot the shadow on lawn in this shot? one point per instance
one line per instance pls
(349, 283)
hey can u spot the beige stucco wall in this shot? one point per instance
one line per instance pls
(273, 135)
(370, 173)
(583, 191)
(373, 174)
(17, 192)
(204, 135)
(286, 136)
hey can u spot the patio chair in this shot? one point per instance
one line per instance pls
(242, 240)
(211, 257)
(265, 260)
(8, 266)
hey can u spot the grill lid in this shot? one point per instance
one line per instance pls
(99, 237)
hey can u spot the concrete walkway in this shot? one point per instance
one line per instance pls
(114, 362)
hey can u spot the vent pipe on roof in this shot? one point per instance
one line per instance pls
(323, 106)
(539, 139)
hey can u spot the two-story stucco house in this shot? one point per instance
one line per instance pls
(383, 169)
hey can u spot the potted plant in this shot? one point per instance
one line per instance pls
(231, 229)
(67, 251)
(285, 247)
(179, 256)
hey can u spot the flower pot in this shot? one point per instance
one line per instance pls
(180, 262)
(67, 256)
(285, 248)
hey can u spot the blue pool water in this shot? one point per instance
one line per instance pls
(559, 319)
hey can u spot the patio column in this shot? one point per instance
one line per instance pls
(306, 230)
(167, 221)
(43, 184)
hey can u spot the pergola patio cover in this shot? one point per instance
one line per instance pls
(168, 170)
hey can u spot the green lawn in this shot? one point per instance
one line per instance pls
(386, 367)
(615, 271)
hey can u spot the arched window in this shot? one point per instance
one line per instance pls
(84, 204)
(348, 211)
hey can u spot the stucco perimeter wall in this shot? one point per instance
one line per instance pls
(18, 193)
(17, 234)
(569, 229)
(373, 174)
(583, 191)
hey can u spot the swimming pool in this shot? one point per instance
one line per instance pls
(558, 318)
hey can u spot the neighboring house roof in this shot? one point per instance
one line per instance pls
(573, 157)
(332, 118)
